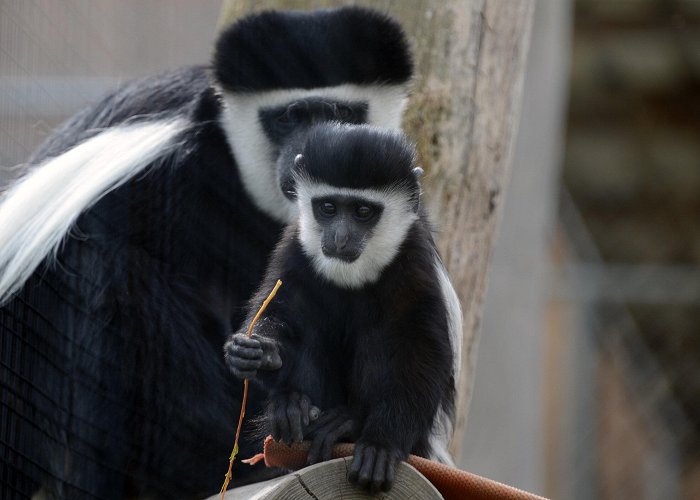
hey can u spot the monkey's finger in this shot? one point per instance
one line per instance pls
(242, 340)
(282, 423)
(240, 368)
(379, 474)
(294, 417)
(232, 350)
(304, 406)
(390, 472)
(341, 430)
(317, 444)
(247, 352)
(271, 353)
(243, 368)
(314, 449)
(356, 464)
(369, 456)
(245, 363)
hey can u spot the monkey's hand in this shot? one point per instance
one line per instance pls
(288, 415)
(374, 467)
(246, 355)
(331, 427)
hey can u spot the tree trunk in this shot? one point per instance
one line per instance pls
(463, 114)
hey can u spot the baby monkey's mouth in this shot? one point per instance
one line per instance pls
(346, 254)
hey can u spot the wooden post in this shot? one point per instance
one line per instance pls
(463, 114)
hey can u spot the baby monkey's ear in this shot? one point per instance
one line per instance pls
(288, 182)
(418, 174)
(299, 161)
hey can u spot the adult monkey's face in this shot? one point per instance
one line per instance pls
(281, 72)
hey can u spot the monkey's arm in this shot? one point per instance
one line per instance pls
(397, 381)
(259, 357)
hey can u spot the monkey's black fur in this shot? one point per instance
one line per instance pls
(128, 395)
(378, 359)
(359, 158)
(111, 374)
(321, 49)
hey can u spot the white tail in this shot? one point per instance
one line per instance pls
(443, 426)
(40, 209)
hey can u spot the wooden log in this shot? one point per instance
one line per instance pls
(463, 114)
(328, 480)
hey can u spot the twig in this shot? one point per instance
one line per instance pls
(234, 452)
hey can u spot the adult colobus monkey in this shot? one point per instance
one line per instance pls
(366, 325)
(128, 252)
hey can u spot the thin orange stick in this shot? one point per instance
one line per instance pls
(227, 478)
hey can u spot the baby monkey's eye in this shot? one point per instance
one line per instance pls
(363, 212)
(327, 208)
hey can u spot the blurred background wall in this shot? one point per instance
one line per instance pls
(588, 379)
(596, 371)
(629, 240)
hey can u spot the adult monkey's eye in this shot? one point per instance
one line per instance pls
(327, 208)
(344, 112)
(290, 115)
(363, 212)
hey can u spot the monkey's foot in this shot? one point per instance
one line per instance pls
(374, 467)
(289, 415)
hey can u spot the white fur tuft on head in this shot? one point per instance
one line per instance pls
(255, 154)
(381, 248)
(39, 210)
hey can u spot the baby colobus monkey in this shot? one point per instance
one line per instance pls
(363, 327)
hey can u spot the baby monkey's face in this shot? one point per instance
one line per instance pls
(345, 224)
